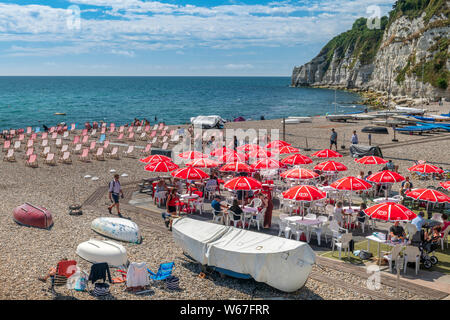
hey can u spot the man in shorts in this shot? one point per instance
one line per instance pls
(115, 190)
(333, 139)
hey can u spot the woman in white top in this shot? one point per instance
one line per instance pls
(338, 213)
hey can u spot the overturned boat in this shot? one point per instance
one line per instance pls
(117, 228)
(279, 262)
(33, 216)
(98, 251)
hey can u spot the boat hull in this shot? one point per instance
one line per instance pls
(98, 251)
(118, 229)
(281, 263)
(33, 216)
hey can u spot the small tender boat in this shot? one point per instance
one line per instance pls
(363, 117)
(59, 114)
(339, 117)
(117, 228)
(279, 262)
(410, 110)
(97, 251)
(33, 216)
(301, 119)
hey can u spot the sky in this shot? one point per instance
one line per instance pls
(171, 38)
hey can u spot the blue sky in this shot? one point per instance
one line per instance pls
(168, 37)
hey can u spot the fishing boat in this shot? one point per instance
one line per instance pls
(59, 114)
(301, 119)
(33, 216)
(98, 251)
(339, 117)
(279, 262)
(117, 228)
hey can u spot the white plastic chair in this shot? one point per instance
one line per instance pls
(217, 215)
(255, 203)
(392, 256)
(297, 230)
(343, 243)
(257, 219)
(444, 238)
(334, 229)
(437, 217)
(285, 228)
(319, 229)
(411, 254)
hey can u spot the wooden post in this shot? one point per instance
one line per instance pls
(284, 129)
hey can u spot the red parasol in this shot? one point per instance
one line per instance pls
(249, 147)
(304, 193)
(155, 158)
(162, 166)
(445, 185)
(236, 167)
(220, 151)
(429, 195)
(299, 173)
(259, 154)
(233, 157)
(371, 160)
(203, 163)
(330, 166)
(385, 176)
(286, 150)
(296, 159)
(192, 155)
(390, 211)
(266, 164)
(190, 173)
(243, 183)
(326, 153)
(426, 168)
(351, 184)
(277, 144)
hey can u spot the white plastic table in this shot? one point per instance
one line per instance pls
(379, 241)
(306, 222)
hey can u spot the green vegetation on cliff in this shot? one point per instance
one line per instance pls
(362, 41)
(415, 8)
(434, 71)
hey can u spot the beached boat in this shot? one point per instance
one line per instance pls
(279, 262)
(411, 111)
(97, 251)
(301, 119)
(377, 130)
(117, 228)
(363, 117)
(33, 216)
(339, 117)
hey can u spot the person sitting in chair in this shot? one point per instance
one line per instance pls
(397, 232)
(216, 205)
(236, 210)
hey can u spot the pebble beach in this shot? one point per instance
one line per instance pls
(28, 253)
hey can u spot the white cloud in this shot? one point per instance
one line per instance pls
(232, 66)
(152, 25)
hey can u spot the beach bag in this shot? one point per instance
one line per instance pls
(100, 289)
(365, 255)
(172, 283)
(82, 281)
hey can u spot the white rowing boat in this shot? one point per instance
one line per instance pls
(117, 228)
(279, 262)
(98, 251)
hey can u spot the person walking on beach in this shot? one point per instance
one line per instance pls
(114, 191)
(354, 138)
(333, 139)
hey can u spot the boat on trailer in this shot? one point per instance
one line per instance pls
(282, 263)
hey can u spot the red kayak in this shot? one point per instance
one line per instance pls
(33, 216)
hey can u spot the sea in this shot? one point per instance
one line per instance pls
(33, 101)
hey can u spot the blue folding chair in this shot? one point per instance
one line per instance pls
(38, 129)
(164, 271)
(102, 138)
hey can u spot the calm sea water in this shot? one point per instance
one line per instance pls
(34, 100)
